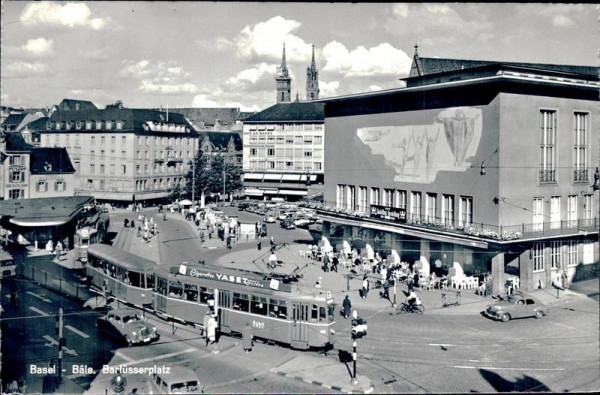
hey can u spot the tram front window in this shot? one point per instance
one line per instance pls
(175, 289)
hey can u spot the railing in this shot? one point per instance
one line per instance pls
(580, 175)
(547, 175)
(486, 231)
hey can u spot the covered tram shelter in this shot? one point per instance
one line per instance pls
(41, 222)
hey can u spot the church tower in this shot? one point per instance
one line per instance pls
(284, 81)
(312, 79)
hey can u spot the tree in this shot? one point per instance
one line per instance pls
(197, 176)
(208, 179)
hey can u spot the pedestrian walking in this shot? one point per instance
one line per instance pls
(410, 283)
(334, 263)
(258, 246)
(346, 306)
(365, 286)
(212, 330)
(229, 242)
(247, 338)
(205, 326)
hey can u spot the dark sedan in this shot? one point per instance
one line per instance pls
(126, 325)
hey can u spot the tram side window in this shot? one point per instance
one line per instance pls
(322, 314)
(150, 281)
(240, 301)
(331, 312)
(134, 279)
(161, 286)
(191, 292)
(314, 312)
(175, 289)
(206, 294)
(121, 274)
(258, 305)
(278, 308)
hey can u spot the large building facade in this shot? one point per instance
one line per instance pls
(124, 155)
(284, 151)
(487, 164)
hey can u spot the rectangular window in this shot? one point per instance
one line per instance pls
(60, 186)
(556, 254)
(571, 256)
(15, 160)
(430, 206)
(555, 212)
(537, 256)
(388, 197)
(465, 211)
(415, 206)
(362, 199)
(17, 176)
(580, 147)
(42, 186)
(588, 209)
(318, 139)
(448, 210)
(253, 151)
(270, 151)
(375, 196)
(572, 211)
(351, 197)
(92, 168)
(341, 190)
(123, 169)
(547, 145)
(103, 140)
(102, 169)
(112, 169)
(538, 214)
(401, 199)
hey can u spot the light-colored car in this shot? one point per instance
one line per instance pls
(516, 306)
(301, 221)
(270, 218)
(179, 380)
(128, 326)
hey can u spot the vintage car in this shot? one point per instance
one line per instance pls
(270, 218)
(516, 306)
(179, 380)
(287, 223)
(126, 325)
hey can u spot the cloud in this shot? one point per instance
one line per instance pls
(265, 41)
(150, 86)
(203, 101)
(38, 46)
(21, 69)
(559, 15)
(382, 59)
(161, 77)
(63, 14)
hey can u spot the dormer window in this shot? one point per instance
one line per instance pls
(47, 166)
(88, 125)
(98, 124)
(119, 124)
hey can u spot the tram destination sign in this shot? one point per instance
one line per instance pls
(240, 279)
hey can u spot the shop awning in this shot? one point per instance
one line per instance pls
(253, 176)
(292, 192)
(253, 192)
(272, 177)
(290, 177)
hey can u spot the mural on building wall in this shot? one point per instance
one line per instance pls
(418, 152)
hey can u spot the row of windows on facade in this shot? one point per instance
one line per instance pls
(346, 199)
(141, 140)
(284, 126)
(41, 186)
(560, 253)
(285, 153)
(549, 146)
(297, 139)
(110, 125)
(140, 185)
(178, 168)
(288, 165)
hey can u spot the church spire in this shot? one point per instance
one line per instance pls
(312, 79)
(284, 81)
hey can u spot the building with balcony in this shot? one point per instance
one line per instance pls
(123, 155)
(284, 148)
(487, 164)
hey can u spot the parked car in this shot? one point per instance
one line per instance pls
(516, 306)
(287, 223)
(301, 221)
(179, 380)
(270, 218)
(126, 325)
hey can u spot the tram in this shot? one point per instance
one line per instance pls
(299, 316)
(124, 276)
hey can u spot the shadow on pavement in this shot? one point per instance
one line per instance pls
(525, 384)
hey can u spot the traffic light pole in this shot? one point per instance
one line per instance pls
(60, 345)
(354, 380)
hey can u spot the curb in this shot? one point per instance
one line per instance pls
(316, 382)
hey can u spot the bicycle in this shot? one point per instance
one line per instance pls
(407, 308)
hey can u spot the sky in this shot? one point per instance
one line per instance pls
(225, 54)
